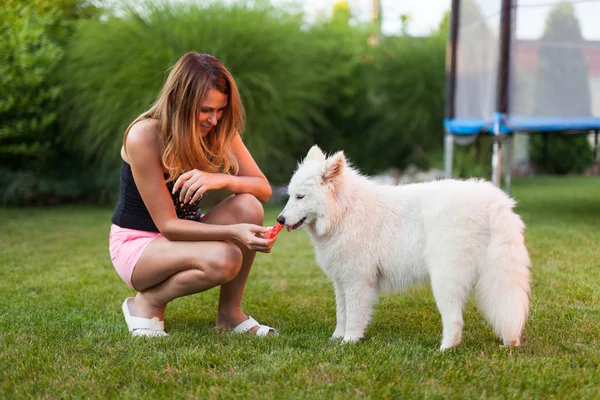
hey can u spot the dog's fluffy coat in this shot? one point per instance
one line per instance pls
(370, 237)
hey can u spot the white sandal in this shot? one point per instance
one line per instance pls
(250, 323)
(142, 326)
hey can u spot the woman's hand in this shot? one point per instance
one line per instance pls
(194, 184)
(247, 234)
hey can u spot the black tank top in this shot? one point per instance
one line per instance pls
(131, 212)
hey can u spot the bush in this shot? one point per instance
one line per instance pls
(33, 166)
(560, 153)
(474, 160)
(116, 67)
(300, 84)
(385, 104)
(408, 92)
(23, 187)
(27, 100)
(343, 54)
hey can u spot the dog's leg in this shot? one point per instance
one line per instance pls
(340, 311)
(360, 297)
(450, 297)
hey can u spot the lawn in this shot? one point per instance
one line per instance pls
(62, 334)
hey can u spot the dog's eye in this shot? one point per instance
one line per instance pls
(299, 196)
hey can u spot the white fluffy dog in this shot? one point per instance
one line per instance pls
(370, 237)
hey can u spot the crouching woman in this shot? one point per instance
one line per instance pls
(161, 245)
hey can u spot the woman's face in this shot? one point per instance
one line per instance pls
(212, 110)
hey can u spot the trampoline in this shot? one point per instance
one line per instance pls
(521, 66)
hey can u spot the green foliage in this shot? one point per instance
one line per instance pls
(343, 54)
(407, 92)
(32, 37)
(474, 160)
(341, 12)
(300, 85)
(384, 104)
(561, 153)
(443, 29)
(27, 101)
(24, 187)
(116, 67)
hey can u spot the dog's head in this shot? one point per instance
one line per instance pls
(312, 188)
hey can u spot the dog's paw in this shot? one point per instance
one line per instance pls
(449, 346)
(351, 339)
(451, 340)
(338, 334)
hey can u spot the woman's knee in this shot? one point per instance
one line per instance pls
(249, 209)
(225, 262)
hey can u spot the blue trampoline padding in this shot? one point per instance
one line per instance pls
(550, 124)
(530, 124)
(471, 126)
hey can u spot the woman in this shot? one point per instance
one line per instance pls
(186, 144)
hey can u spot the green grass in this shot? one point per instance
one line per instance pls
(62, 334)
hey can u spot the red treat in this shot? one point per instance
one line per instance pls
(273, 232)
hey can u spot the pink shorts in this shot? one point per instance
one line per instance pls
(126, 246)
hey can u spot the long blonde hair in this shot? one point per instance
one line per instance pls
(177, 110)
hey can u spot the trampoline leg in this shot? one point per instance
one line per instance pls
(497, 161)
(508, 150)
(448, 155)
(596, 146)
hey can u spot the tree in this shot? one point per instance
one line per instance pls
(28, 56)
(33, 34)
(341, 12)
(562, 86)
(561, 90)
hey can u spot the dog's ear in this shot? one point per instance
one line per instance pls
(315, 154)
(334, 166)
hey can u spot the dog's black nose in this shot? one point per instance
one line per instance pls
(281, 219)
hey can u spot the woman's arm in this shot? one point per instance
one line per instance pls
(250, 178)
(143, 155)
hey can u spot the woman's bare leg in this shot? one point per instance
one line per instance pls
(167, 270)
(241, 208)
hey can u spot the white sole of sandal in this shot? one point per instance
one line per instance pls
(250, 323)
(145, 327)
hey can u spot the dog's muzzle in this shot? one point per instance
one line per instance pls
(281, 220)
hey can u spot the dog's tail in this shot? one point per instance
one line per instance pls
(503, 286)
